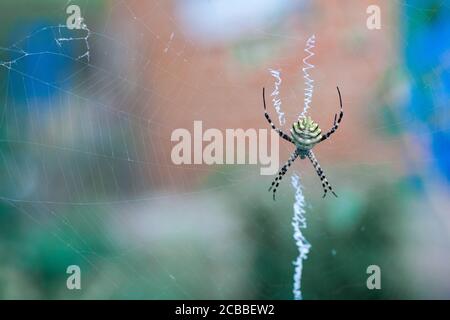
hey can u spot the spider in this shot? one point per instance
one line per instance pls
(305, 134)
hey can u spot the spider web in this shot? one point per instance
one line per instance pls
(87, 178)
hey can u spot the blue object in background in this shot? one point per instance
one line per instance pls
(426, 27)
(45, 67)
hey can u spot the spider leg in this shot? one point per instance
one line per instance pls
(282, 172)
(325, 184)
(281, 133)
(337, 120)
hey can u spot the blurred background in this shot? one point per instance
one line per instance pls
(86, 176)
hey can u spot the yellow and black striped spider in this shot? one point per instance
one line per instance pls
(305, 134)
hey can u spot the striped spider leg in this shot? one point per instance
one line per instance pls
(321, 174)
(280, 132)
(337, 120)
(282, 172)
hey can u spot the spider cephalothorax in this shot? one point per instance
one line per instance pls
(305, 134)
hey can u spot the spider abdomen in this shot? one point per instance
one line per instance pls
(306, 133)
